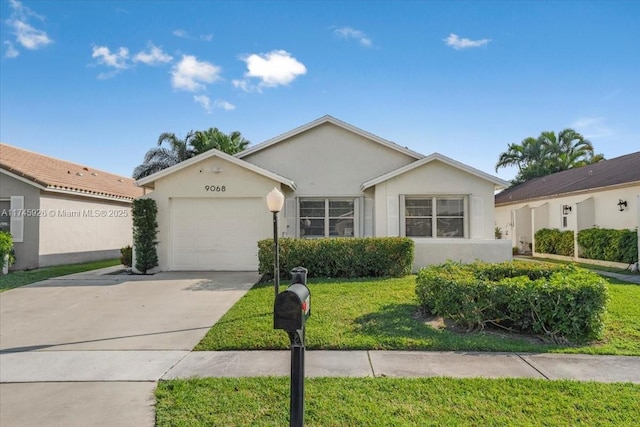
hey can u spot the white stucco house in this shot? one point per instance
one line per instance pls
(60, 212)
(338, 181)
(605, 195)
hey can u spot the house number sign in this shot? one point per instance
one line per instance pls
(215, 188)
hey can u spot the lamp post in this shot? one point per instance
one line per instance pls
(275, 200)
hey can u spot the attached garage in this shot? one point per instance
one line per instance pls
(217, 234)
(212, 212)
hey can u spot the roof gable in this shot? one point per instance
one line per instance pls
(617, 171)
(149, 181)
(436, 157)
(51, 174)
(328, 119)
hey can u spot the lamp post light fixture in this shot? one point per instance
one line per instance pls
(622, 205)
(275, 201)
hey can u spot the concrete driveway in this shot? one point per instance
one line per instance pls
(86, 349)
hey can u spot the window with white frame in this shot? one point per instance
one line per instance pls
(323, 217)
(434, 216)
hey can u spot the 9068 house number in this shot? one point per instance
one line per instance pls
(215, 188)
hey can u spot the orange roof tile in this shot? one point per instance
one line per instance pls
(55, 174)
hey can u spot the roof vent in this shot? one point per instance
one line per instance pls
(590, 172)
(120, 180)
(79, 173)
(86, 168)
(94, 174)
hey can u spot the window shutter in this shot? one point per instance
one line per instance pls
(17, 221)
(290, 212)
(477, 217)
(393, 217)
(368, 217)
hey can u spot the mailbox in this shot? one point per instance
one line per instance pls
(292, 307)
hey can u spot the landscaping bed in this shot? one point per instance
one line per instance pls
(562, 303)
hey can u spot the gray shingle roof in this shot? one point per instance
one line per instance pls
(620, 170)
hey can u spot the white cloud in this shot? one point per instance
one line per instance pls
(220, 103)
(181, 33)
(10, 51)
(154, 56)
(276, 68)
(191, 74)
(25, 33)
(204, 101)
(457, 43)
(117, 60)
(350, 33)
(206, 37)
(592, 127)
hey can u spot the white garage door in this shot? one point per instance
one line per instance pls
(217, 234)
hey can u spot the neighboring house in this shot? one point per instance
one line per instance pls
(338, 181)
(60, 212)
(604, 195)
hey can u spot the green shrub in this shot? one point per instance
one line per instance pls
(609, 245)
(340, 257)
(6, 248)
(145, 230)
(554, 241)
(126, 254)
(558, 302)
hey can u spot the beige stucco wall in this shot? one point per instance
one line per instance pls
(190, 182)
(588, 209)
(438, 178)
(329, 161)
(75, 229)
(27, 250)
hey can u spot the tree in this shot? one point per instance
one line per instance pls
(194, 143)
(547, 154)
(160, 157)
(214, 138)
(145, 231)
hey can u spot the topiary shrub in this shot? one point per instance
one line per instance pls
(609, 245)
(340, 257)
(561, 303)
(145, 230)
(554, 241)
(126, 254)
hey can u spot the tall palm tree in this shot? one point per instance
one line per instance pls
(214, 138)
(548, 154)
(160, 157)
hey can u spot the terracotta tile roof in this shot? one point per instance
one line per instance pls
(617, 171)
(55, 174)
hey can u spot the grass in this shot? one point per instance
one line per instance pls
(397, 402)
(16, 279)
(380, 314)
(585, 265)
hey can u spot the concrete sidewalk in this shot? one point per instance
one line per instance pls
(136, 366)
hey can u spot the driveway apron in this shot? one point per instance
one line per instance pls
(79, 349)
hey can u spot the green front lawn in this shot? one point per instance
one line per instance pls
(16, 279)
(397, 402)
(382, 314)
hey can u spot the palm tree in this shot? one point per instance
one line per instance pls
(160, 157)
(548, 154)
(214, 138)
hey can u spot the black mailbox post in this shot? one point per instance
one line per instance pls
(290, 312)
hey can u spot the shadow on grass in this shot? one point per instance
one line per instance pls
(400, 326)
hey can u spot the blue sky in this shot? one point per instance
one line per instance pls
(97, 82)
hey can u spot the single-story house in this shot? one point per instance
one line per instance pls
(605, 195)
(60, 212)
(338, 181)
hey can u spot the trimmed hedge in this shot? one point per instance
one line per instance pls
(609, 245)
(554, 241)
(559, 302)
(340, 257)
